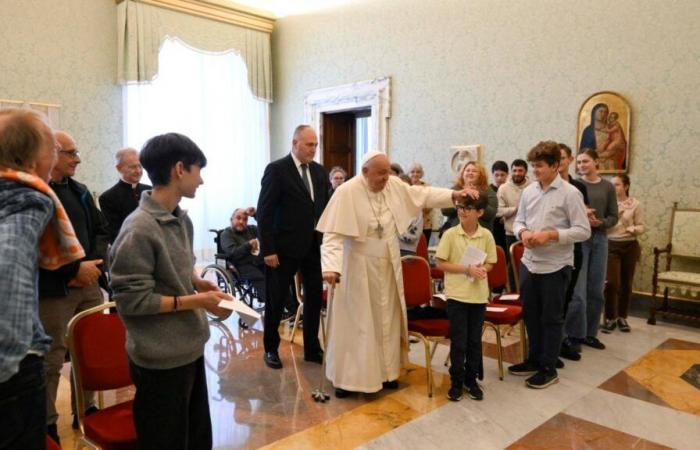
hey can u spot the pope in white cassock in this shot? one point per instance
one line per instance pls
(360, 252)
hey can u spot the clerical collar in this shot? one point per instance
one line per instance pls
(132, 186)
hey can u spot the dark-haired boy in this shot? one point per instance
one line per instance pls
(467, 294)
(508, 200)
(162, 301)
(550, 218)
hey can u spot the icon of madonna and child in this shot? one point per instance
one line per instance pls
(606, 131)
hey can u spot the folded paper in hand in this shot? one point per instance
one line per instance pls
(472, 257)
(245, 312)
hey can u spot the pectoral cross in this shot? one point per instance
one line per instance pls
(380, 230)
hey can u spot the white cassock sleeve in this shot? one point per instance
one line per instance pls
(332, 252)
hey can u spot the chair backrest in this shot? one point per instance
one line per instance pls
(517, 249)
(417, 286)
(422, 248)
(498, 276)
(684, 231)
(299, 287)
(217, 239)
(97, 345)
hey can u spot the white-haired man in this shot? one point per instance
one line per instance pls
(361, 225)
(122, 199)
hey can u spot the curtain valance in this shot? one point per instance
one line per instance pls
(142, 28)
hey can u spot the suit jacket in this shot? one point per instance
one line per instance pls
(117, 203)
(54, 283)
(286, 214)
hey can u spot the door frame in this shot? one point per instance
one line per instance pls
(374, 95)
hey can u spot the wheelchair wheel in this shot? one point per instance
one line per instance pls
(220, 277)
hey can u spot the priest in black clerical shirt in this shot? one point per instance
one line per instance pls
(122, 199)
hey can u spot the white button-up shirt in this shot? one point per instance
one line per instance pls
(560, 207)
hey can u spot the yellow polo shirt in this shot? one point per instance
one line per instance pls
(451, 248)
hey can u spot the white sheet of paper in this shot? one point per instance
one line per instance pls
(472, 257)
(495, 309)
(245, 312)
(442, 297)
(509, 297)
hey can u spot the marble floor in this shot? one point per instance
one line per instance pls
(643, 391)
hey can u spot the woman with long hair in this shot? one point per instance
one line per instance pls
(583, 314)
(623, 254)
(474, 179)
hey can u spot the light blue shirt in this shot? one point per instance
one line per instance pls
(560, 207)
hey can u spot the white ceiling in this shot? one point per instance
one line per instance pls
(282, 8)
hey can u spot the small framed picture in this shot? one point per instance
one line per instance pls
(462, 154)
(604, 123)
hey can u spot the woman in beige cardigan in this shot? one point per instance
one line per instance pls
(623, 254)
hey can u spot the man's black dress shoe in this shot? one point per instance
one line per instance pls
(272, 360)
(342, 393)
(390, 384)
(315, 356)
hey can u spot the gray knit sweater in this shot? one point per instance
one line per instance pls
(152, 256)
(601, 197)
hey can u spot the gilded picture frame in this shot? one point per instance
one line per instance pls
(604, 125)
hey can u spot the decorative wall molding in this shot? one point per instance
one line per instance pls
(227, 12)
(374, 94)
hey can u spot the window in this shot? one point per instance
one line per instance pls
(206, 97)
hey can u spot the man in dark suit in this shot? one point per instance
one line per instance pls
(122, 199)
(294, 192)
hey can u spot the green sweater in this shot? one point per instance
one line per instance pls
(152, 256)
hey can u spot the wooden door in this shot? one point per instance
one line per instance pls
(339, 141)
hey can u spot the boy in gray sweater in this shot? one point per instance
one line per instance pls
(162, 302)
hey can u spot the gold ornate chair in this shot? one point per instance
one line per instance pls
(683, 250)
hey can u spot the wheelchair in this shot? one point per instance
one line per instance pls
(224, 274)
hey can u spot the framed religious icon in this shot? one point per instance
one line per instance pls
(604, 124)
(462, 154)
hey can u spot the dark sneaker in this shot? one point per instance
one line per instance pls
(568, 352)
(523, 369)
(474, 391)
(608, 327)
(455, 393)
(593, 342)
(559, 364)
(624, 326)
(542, 379)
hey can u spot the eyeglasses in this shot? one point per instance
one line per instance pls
(71, 153)
(465, 208)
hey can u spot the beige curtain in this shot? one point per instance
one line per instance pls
(142, 29)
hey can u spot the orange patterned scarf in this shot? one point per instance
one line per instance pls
(58, 245)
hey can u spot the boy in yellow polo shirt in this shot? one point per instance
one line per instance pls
(467, 292)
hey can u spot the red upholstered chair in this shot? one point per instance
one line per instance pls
(498, 279)
(51, 444)
(299, 288)
(96, 342)
(422, 251)
(517, 249)
(510, 317)
(418, 292)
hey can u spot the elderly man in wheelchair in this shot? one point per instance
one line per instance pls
(239, 267)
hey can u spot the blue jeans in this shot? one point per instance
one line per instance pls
(586, 307)
(23, 406)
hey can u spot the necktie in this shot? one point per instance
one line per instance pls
(305, 177)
